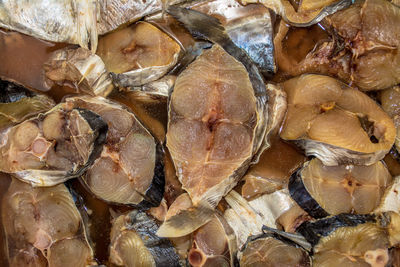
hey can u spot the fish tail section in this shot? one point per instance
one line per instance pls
(186, 221)
(200, 25)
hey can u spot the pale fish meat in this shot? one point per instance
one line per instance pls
(138, 54)
(52, 147)
(215, 130)
(43, 227)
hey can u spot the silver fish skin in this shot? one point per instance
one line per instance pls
(74, 21)
(65, 21)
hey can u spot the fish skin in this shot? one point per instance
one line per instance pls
(210, 28)
(186, 221)
(74, 23)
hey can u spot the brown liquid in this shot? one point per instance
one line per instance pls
(296, 45)
(5, 181)
(392, 164)
(279, 161)
(275, 165)
(395, 257)
(295, 4)
(173, 187)
(99, 222)
(22, 58)
(152, 113)
(300, 41)
(58, 93)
